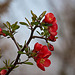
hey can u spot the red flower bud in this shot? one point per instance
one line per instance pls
(51, 47)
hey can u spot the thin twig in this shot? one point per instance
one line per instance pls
(40, 38)
(16, 43)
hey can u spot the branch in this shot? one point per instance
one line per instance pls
(16, 43)
(40, 38)
(18, 56)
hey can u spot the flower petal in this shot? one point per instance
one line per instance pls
(47, 63)
(53, 33)
(41, 66)
(38, 47)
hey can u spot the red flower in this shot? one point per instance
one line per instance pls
(41, 57)
(3, 72)
(49, 18)
(51, 47)
(38, 47)
(43, 53)
(43, 62)
(52, 29)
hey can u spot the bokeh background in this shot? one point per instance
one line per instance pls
(63, 58)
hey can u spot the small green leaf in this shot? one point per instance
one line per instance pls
(26, 49)
(5, 25)
(20, 52)
(16, 66)
(12, 62)
(9, 62)
(14, 27)
(56, 37)
(27, 20)
(13, 65)
(42, 15)
(8, 24)
(23, 23)
(33, 14)
(6, 32)
(16, 23)
(46, 24)
(29, 63)
(34, 23)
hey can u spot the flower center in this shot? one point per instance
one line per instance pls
(49, 18)
(42, 61)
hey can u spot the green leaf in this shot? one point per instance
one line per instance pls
(23, 23)
(12, 62)
(5, 25)
(34, 23)
(6, 32)
(16, 66)
(20, 46)
(16, 23)
(20, 52)
(8, 24)
(46, 24)
(56, 37)
(29, 63)
(9, 62)
(42, 15)
(33, 14)
(14, 27)
(26, 49)
(13, 65)
(27, 20)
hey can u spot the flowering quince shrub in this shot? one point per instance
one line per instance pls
(40, 53)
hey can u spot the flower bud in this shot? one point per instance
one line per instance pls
(50, 47)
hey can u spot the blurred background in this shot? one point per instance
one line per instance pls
(63, 58)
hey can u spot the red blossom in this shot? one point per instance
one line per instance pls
(3, 72)
(42, 55)
(49, 18)
(53, 28)
(43, 62)
(37, 47)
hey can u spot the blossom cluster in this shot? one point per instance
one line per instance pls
(41, 55)
(50, 19)
(40, 52)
